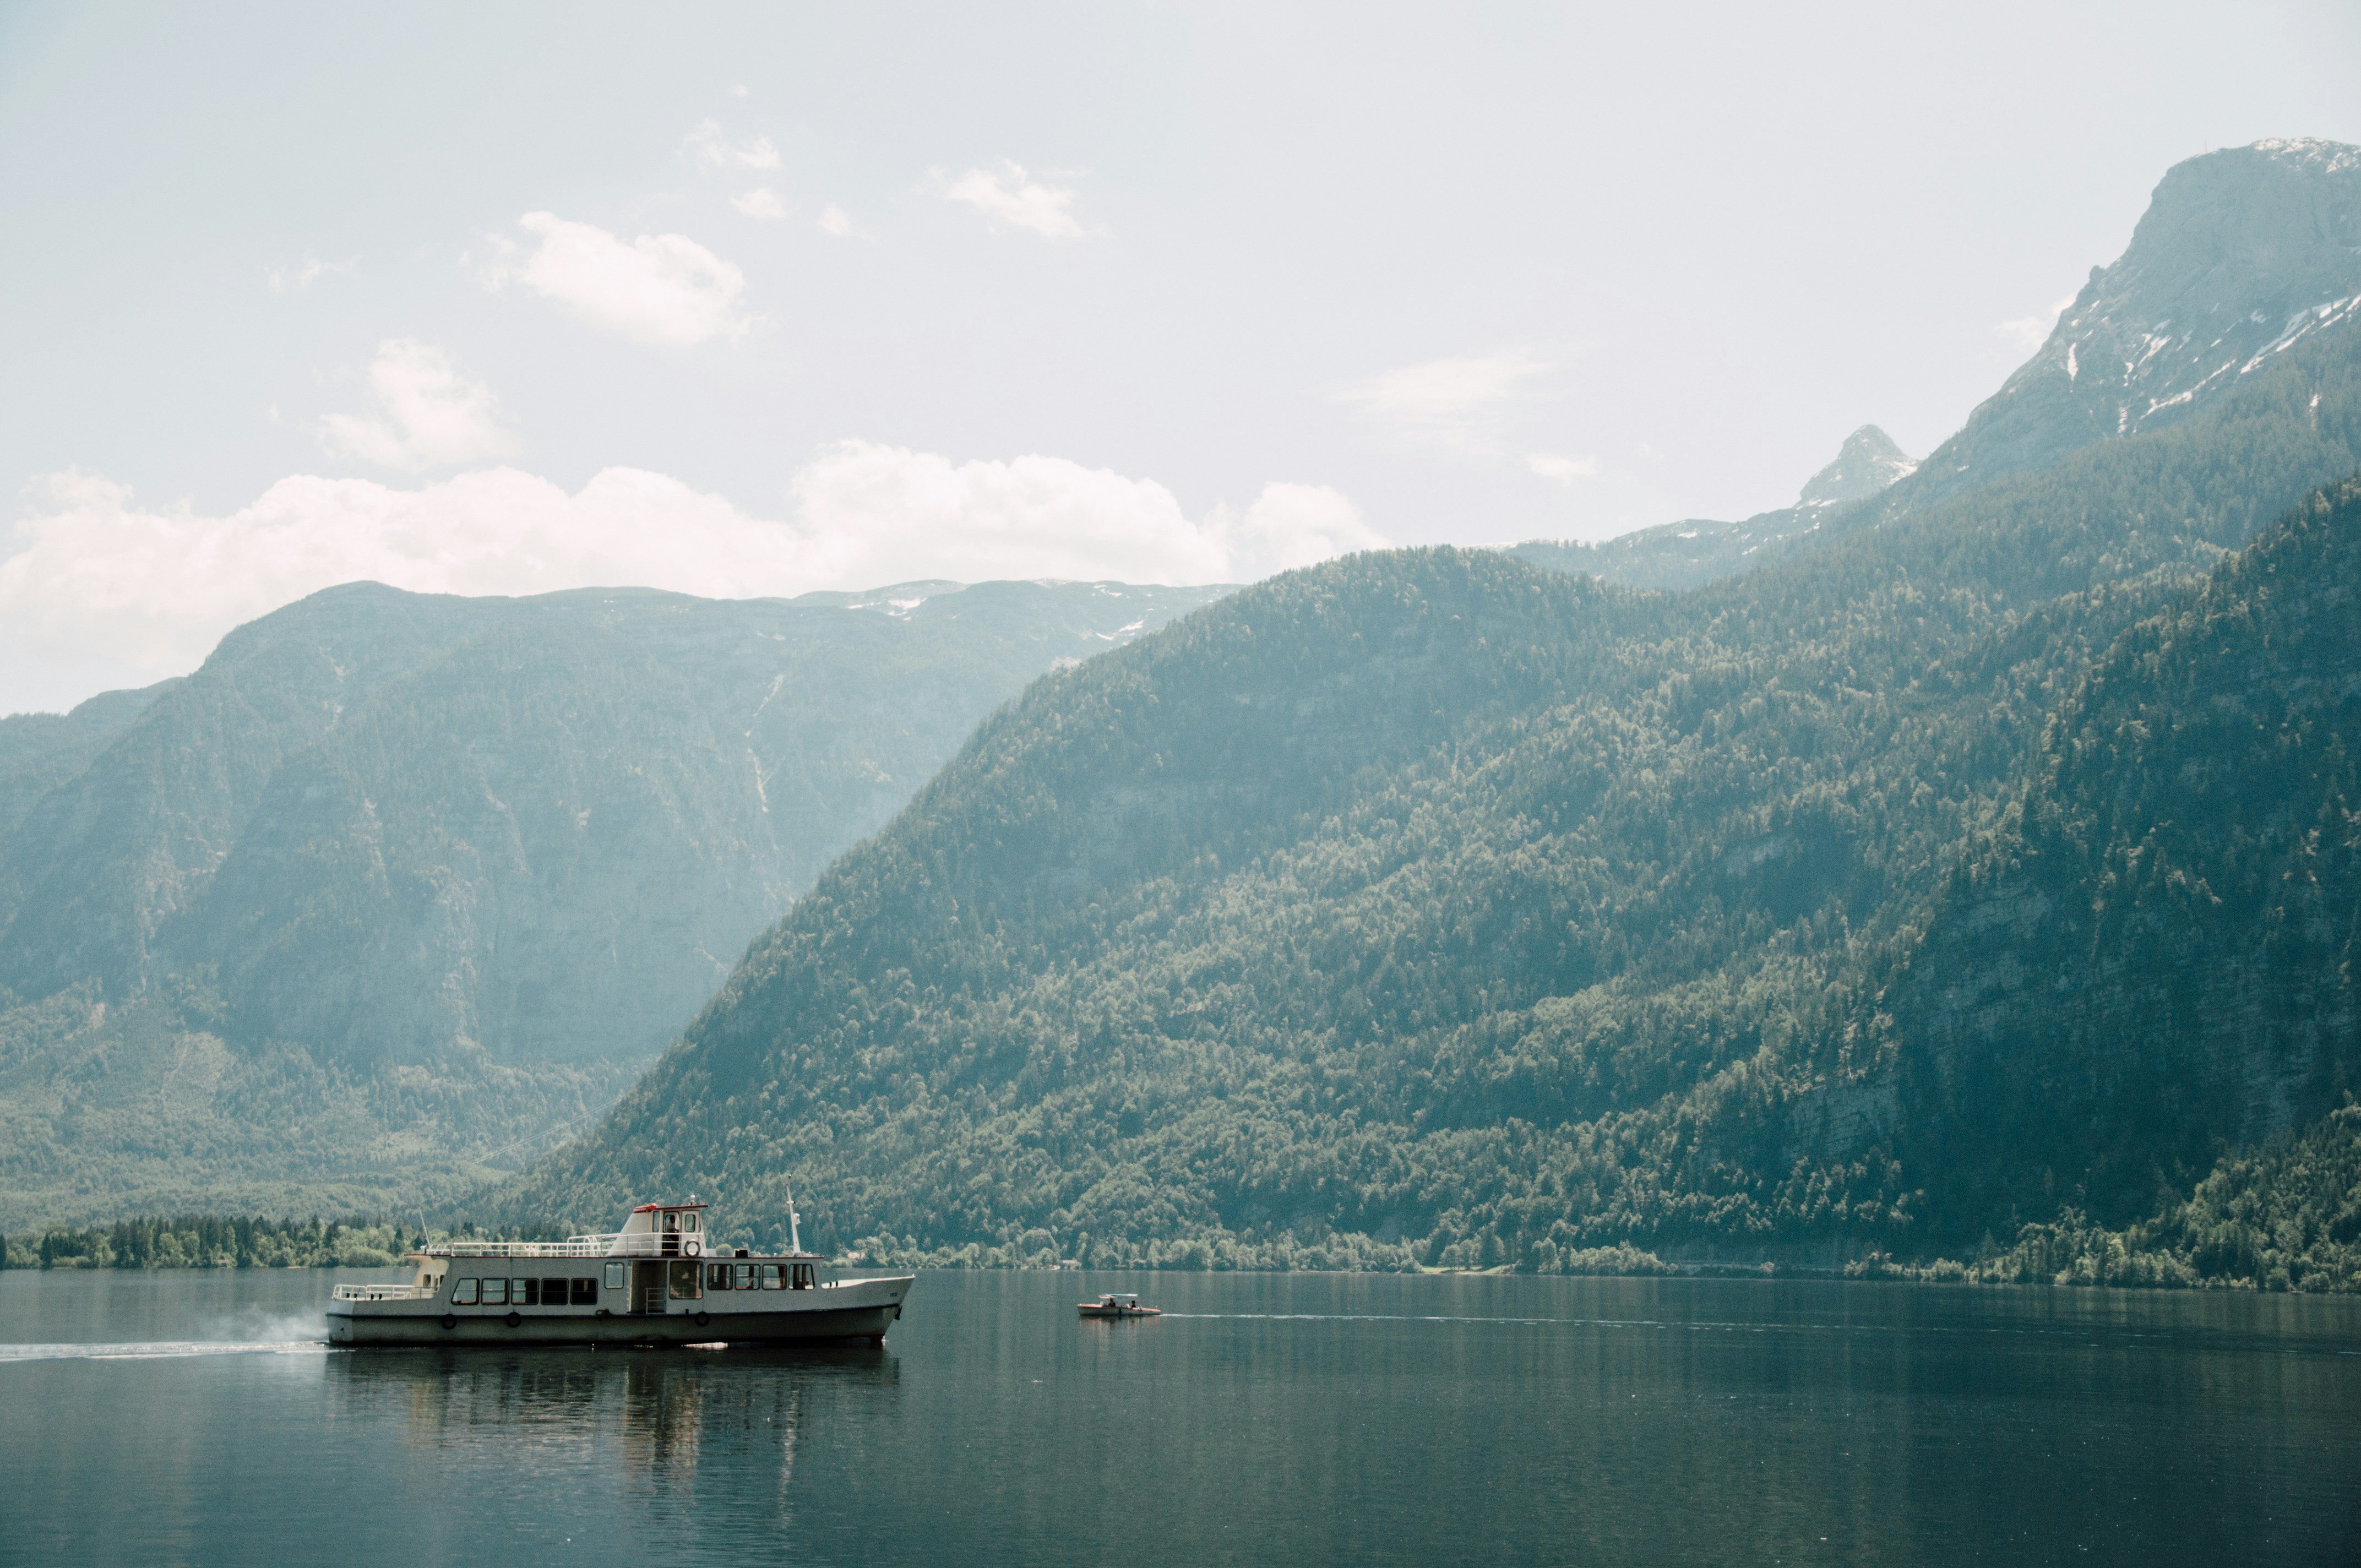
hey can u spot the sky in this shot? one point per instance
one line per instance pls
(758, 299)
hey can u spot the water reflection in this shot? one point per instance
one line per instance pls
(644, 1420)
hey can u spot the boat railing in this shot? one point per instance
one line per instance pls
(382, 1292)
(636, 1243)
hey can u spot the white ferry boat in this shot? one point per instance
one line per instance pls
(658, 1280)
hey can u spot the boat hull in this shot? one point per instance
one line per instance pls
(863, 1310)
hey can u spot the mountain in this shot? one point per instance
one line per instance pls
(2240, 255)
(1430, 907)
(1684, 555)
(413, 850)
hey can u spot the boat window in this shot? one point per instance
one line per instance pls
(586, 1293)
(684, 1281)
(553, 1292)
(463, 1294)
(618, 1275)
(672, 1221)
(774, 1275)
(802, 1277)
(717, 1277)
(527, 1292)
(689, 1221)
(744, 1273)
(496, 1292)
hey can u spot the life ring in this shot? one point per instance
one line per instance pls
(516, 1320)
(692, 1247)
(450, 1320)
(702, 1319)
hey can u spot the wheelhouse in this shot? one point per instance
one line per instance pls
(676, 1230)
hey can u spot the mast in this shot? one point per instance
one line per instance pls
(794, 1225)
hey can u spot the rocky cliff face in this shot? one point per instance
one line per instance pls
(1865, 464)
(2242, 255)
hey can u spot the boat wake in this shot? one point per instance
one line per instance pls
(1397, 1318)
(2088, 1332)
(160, 1349)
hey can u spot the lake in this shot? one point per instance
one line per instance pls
(192, 1417)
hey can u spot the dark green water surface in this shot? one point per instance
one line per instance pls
(192, 1417)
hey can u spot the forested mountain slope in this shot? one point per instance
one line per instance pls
(1425, 897)
(2152, 953)
(396, 874)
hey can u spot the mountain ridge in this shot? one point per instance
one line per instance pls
(1695, 551)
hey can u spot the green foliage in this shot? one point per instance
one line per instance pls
(2284, 1216)
(1423, 901)
(214, 1241)
(2072, 1250)
(1621, 1259)
(233, 1241)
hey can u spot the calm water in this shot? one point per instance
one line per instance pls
(1305, 1418)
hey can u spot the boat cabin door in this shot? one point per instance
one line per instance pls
(678, 1233)
(647, 1288)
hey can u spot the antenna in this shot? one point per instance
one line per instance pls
(794, 1225)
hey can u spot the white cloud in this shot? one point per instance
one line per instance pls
(430, 415)
(877, 514)
(837, 223)
(306, 272)
(98, 575)
(1291, 526)
(709, 146)
(761, 202)
(1562, 470)
(1011, 199)
(1457, 404)
(2026, 334)
(658, 288)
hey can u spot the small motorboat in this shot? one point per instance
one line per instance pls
(1117, 1306)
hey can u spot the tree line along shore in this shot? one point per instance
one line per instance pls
(2285, 1216)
